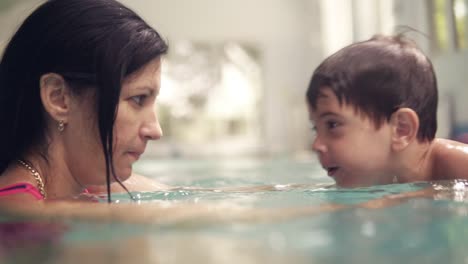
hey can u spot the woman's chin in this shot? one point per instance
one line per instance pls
(123, 175)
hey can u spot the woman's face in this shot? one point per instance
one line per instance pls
(136, 123)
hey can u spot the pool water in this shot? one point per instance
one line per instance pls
(419, 230)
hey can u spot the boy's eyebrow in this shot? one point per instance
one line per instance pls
(321, 94)
(328, 113)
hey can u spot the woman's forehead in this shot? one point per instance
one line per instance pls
(147, 77)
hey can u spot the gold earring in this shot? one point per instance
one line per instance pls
(61, 126)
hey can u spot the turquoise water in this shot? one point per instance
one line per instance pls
(418, 230)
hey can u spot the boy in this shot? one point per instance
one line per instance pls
(374, 106)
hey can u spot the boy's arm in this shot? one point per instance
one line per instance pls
(396, 199)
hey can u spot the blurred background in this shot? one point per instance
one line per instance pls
(234, 80)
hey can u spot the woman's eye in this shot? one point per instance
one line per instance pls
(139, 99)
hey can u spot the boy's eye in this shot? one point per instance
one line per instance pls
(331, 124)
(139, 99)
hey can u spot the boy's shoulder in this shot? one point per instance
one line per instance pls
(450, 159)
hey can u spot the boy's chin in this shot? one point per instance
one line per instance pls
(344, 182)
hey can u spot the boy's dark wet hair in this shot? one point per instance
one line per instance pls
(379, 76)
(92, 44)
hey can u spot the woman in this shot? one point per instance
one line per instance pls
(78, 83)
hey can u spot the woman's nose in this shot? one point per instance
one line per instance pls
(152, 130)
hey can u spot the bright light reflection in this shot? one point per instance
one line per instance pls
(461, 148)
(459, 9)
(233, 96)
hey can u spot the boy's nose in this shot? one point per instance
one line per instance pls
(318, 146)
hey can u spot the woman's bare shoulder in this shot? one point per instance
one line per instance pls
(136, 183)
(16, 199)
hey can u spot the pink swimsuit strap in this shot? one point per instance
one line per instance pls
(23, 187)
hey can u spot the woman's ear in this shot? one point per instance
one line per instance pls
(55, 96)
(405, 126)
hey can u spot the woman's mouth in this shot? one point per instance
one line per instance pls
(135, 155)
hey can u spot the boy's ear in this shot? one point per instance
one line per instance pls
(405, 126)
(55, 96)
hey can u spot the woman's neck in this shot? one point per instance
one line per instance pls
(58, 179)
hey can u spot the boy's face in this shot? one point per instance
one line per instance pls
(348, 144)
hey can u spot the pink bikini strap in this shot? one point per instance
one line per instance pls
(21, 188)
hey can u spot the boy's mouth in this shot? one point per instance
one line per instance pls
(332, 170)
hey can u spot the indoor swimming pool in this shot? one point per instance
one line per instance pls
(416, 230)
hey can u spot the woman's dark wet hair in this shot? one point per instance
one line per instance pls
(92, 44)
(377, 77)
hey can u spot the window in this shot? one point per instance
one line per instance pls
(449, 22)
(210, 94)
(440, 25)
(459, 10)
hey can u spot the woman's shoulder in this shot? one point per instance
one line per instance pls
(20, 189)
(19, 193)
(136, 183)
